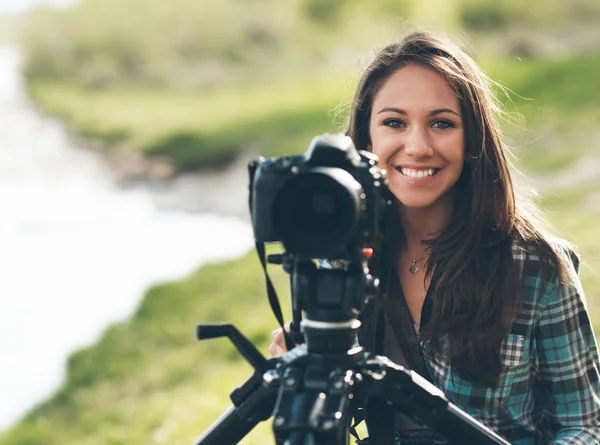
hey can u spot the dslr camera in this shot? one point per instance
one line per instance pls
(325, 203)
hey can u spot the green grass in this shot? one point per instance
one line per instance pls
(198, 130)
(205, 130)
(573, 214)
(561, 92)
(555, 151)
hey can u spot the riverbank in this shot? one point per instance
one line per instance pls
(158, 133)
(79, 250)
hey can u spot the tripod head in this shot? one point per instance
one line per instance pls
(330, 209)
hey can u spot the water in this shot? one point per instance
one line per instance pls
(76, 251)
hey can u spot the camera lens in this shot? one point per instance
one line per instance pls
(317, 212)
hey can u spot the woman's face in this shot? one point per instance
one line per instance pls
(416, 130)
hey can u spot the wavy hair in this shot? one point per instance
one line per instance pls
(477, 286)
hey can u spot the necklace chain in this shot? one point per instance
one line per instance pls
(413, 269)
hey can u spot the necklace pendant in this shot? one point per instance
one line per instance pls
(413, 269)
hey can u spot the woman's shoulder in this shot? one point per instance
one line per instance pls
(549, 253)
(544, 267)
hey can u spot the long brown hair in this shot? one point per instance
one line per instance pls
(477, 285)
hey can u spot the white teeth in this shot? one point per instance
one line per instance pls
(417, 173)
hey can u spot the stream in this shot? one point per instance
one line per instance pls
(77, 249)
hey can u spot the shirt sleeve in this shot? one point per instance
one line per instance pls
(568, 363)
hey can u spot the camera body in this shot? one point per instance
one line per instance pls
(327, 203)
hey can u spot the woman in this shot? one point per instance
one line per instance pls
(497, 307)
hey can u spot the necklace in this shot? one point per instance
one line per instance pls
(413, 269)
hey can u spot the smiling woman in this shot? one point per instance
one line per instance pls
(478, 297)
(497, 307)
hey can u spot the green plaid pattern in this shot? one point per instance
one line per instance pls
(549, 390)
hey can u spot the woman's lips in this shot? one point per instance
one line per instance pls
(415, 176)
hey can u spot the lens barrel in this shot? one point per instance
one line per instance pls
(317, 211)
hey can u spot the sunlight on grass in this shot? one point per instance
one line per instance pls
(143, 119)
(206, 129)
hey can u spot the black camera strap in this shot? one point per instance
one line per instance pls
(273, 300)
(396, 309)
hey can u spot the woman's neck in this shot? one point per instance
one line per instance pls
(422, 224)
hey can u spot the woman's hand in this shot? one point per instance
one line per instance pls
(277, 346)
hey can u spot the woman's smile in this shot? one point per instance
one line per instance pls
(418, 175)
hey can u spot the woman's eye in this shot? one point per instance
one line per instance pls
(442, 124)
(393, 123)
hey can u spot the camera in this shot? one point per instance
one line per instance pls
(325, 203)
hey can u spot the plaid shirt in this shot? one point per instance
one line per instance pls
(549, 390)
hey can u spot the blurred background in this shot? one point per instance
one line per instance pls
(125, 130)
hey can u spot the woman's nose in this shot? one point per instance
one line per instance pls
(418, 143)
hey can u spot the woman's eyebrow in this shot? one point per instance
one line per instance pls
(432, 113)
(395, 110)
(443, 110)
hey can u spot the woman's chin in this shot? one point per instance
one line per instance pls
(422, 202)
(417, 205)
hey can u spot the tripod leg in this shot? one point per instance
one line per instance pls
(380, 422)
(301, 438)
(230, 428)
(406, 391)
(239, 419)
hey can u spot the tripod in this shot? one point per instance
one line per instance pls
(314, 390)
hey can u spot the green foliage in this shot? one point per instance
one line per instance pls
(491, 15)
(488, 15)
(556, 92)
(202, 129)
(323, 11)
(190, 45)
(208, 129)
(183, 44)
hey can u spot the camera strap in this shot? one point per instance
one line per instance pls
(273, 300)
(401, 323)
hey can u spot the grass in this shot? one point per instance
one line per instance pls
(204, 130)
(198, 130)
(559, 92)
(552, 151)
